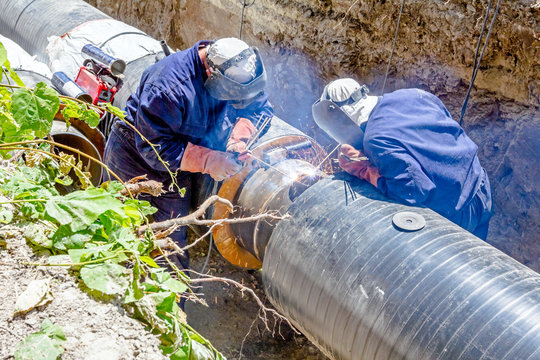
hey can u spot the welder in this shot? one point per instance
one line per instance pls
(196, 109)
(406, 144)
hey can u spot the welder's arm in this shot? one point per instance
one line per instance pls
(248, 118)
(218, 164)
(402, 177)
(159, 117)
(355, 163)
(241, 133)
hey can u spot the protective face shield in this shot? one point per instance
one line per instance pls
(222, 86)
(342, 111)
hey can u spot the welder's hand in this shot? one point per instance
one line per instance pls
(241, 132)
(218, 164)
(243, 156)
(355, 163)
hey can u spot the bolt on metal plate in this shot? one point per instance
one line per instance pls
(408, 221)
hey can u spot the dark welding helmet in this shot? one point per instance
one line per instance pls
(331, 118)
(222, 87)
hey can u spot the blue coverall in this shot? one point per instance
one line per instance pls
(425, 158)
(171, 107)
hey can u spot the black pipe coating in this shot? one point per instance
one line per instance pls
(361, 288)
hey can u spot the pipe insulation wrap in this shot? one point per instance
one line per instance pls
(30, 22)
(360, 288)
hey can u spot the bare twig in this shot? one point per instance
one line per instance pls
(151, 187)
(264, 309)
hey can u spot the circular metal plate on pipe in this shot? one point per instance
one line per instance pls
(409, 221)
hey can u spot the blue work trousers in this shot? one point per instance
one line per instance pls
(122, 157)
(475, 216)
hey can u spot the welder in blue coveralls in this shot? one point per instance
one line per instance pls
(198, 106)
(414, 151)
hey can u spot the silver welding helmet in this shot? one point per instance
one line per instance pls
(227, 81)
(343, 110)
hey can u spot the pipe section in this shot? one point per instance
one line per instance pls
(30, 22)
(361, 288)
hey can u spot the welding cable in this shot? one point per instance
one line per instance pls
(211, 236)
(476, 65)
(245, 5)
(393, 47)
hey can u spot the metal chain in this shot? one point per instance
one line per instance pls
(245, 4)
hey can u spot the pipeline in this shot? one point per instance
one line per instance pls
(356, 275)
(361, 287)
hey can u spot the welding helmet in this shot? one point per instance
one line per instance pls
(237, 72)
(343, 110)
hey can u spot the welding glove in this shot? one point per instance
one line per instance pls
(218, 164)
(240, 135)
(355, 163)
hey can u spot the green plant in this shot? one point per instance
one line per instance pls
(95, 226)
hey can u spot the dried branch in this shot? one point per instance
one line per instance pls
(151, 187)
(264, 310)
(193, 218)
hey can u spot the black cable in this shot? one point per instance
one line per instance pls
(393, 47)
(476, 65)
(245, 5)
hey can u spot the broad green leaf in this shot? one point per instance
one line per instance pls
(115, 111)
(90, 117)
(64, 238)
(149, 261)
(3, 55)
(164, 278)
(6, 215)
(13, 75)
(82, 208)
(43, 345)
(107, 278)
(35, 110)
(200, 352)
(72, 109)
(37, 235)
(82, 255)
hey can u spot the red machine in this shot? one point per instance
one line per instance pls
(98, 82)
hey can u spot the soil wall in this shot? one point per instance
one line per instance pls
(308, 42)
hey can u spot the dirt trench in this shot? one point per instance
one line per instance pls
(308, 42)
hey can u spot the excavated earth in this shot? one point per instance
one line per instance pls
(308, 42)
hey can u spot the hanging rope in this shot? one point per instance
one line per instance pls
(476, 63)
(393, 47)
(245, 4)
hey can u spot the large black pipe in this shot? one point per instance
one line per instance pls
(361, 288)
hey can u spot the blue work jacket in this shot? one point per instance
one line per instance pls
(423, 155)
(171, 107)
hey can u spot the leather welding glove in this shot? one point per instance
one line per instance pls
(240, 135)
(218, 164)
(355, 163)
